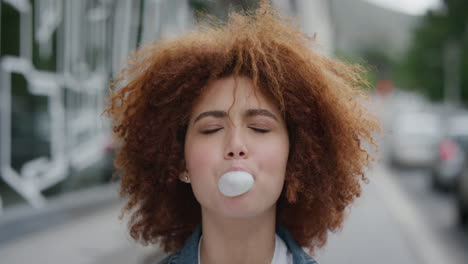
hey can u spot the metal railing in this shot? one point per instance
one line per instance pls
(88, 41)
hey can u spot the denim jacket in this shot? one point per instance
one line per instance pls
(188, 254)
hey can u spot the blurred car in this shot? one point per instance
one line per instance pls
(461, 194)
(414, 139)
(451, 153)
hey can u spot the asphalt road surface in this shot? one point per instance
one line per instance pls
(438, 209)
(398, 219)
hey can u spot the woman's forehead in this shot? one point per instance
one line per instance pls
(229, 92)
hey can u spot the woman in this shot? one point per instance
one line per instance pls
(239, 143)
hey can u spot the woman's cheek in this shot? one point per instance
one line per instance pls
(199, 158)
(275, 153)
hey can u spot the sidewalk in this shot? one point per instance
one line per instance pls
(382, 227)
(89, 235)
(370, 233)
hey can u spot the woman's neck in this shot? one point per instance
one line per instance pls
(240, 240)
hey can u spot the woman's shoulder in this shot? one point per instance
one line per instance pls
(189, 251)
(170, 259)
(298, 255)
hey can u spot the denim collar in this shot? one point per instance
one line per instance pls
(188, 254)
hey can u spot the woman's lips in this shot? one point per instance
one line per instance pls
(237, 169)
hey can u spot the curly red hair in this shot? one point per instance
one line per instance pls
(319, 97)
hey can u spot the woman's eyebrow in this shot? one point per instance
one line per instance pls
(263, 112)
(248, 113)
(216, 113)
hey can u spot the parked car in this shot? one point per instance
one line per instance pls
(451, 153)
(461, 194)
(414, 139)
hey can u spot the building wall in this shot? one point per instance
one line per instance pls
(361, 25)
(53, 86)
(314, 19)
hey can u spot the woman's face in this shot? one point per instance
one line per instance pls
(252, 136)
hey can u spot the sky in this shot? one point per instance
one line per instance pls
(413, 7)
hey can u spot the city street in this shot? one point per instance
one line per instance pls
(439, 210)
(398, 219)
(85, 85)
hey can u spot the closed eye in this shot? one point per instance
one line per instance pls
(210, 131)
(260, 130)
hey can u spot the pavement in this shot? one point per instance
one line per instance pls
(382, 226)
(81, 228)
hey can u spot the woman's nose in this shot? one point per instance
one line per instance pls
(236, 154)
(236, 147)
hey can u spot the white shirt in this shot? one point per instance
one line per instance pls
(281, 255)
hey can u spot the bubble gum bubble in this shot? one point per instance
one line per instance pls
(235, 183)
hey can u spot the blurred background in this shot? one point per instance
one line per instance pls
(59, 202)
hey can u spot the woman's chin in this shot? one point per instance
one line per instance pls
(240, 207)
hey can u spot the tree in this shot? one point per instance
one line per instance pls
(423, 66)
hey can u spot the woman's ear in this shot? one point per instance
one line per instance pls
(184, 177)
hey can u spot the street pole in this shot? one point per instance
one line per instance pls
(451, 57)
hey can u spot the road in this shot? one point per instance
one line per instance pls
(398, 219)
(438, 210)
